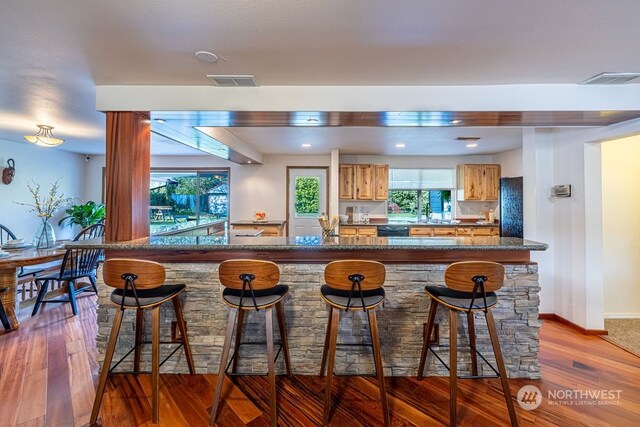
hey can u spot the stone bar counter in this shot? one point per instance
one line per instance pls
(411, 263)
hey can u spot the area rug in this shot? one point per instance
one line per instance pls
(624, 333)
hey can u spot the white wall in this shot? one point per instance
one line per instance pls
(537, 172)
(573, 227)
(510, 162)
(44, 166)
(254, 187)
(621, 227)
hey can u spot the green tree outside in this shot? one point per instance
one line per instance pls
(307, 196)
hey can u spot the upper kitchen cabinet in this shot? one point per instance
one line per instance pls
(381, 190)
(363, 182)
(478, 182)
(346, 182)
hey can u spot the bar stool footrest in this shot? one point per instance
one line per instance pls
(233, 356)
(178, 346)
(497, 374)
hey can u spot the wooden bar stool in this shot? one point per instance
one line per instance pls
(352, 285)
(252, 285)
(139, 285)
(471, 287)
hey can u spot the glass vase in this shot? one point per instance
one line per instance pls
(44, 237)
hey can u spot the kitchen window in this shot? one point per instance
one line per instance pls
(420, 194)
(187, 198)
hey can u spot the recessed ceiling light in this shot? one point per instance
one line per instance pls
(248, 161)
(160, 121)
(472, 145)
(205, 56)
(455, 122)
(306, 145)
(401, 145)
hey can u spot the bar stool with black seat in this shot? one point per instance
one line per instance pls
(470, 287)
(352, 285)
(252, 285)
(139, 284)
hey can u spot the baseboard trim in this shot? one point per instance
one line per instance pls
(622, 316)
(560, 319)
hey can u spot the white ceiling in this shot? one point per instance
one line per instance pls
(381, 140)
(53, 54)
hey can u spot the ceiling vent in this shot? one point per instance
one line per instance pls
(611, 79)
(467, 138)
(240, 80)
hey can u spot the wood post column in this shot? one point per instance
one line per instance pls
(127, 175)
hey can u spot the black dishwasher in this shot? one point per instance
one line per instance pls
(393, 231)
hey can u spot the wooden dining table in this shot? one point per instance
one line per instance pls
(9, 266)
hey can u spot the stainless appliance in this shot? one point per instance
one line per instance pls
(511, 209)
(393, 230)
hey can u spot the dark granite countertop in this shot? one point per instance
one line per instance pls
(234, 243)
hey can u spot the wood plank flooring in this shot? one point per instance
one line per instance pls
(48, 370)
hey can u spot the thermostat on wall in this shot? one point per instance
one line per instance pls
(561, 190)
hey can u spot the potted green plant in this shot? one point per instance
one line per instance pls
(84, 215)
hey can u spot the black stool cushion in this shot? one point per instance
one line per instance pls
(460, 299)
(264, 297)
(340, 298)
(153, 296)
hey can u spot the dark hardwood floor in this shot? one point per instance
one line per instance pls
(48, 369)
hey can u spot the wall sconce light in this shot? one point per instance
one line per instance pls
(44, 137)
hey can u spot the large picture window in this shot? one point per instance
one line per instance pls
(420, 194)
(182, 199)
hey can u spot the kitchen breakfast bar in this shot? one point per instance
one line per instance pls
(411, 263)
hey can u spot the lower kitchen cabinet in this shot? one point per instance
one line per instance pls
(431, 231)
(267, 229)
(358, 230)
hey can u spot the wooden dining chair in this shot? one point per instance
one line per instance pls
(77, 263)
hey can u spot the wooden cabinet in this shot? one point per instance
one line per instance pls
(486, 231)
(478, 182)
(363, 182)
(421, 231)
(464, 231)
(381, 189)
(358, 230)
(434, 231)
(267, 229)
(491, 183)
(444, 231)
(346, 183)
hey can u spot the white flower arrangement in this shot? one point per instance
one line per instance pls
(46, 207)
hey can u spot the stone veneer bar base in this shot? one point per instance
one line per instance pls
(401, 322)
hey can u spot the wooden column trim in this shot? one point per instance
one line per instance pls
(127, 174)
